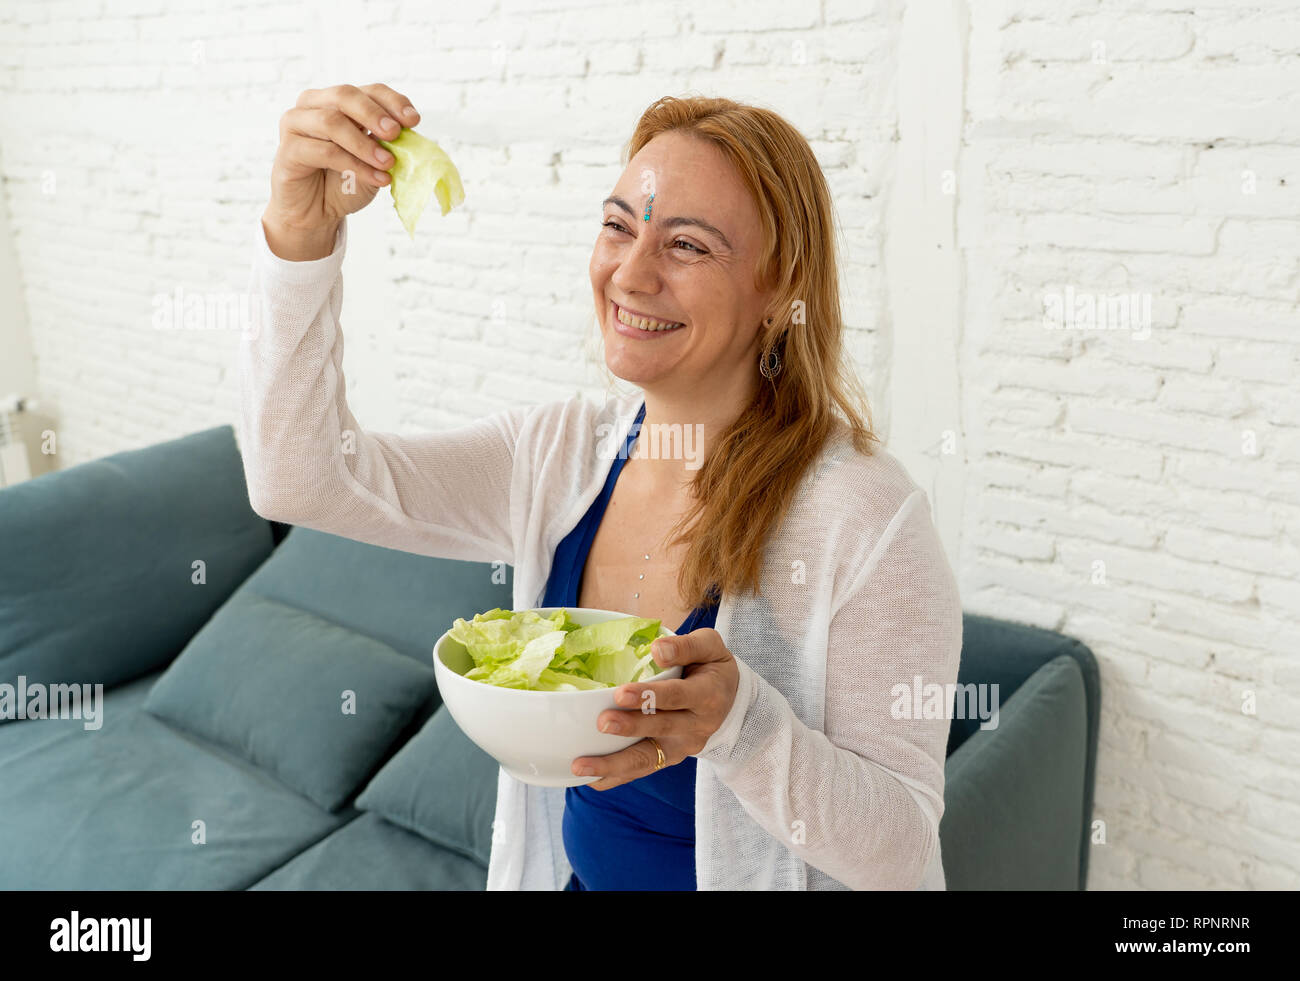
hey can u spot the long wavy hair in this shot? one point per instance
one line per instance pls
(744, 488)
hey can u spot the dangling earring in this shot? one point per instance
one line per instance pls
(769, 363)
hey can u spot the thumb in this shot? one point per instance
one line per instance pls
(704, 644)
(664, 650)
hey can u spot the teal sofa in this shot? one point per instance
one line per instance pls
(269, 718)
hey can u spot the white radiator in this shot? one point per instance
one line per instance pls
(15, 452)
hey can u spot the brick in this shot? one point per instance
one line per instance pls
(1096, 158)
(733, 16)
(1084, 521)
(1234, 551)
(1162, 349)
(1234, 471)
(1162, 875)
(1123, 495)
(1276, 363)
(1210, 824)
(1010, 541)
(1194, 236)
(1219, 622)
(1048, 481)
(1080, 376)
(1051, 584)
(1144, 426)
(1239, 515)
(1281, 597)
(1219, 399)
(1065, 449)
(1181, 856)
(1132, 37)
(1129, 567)
(995, 601)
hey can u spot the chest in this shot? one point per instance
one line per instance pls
(618, 576)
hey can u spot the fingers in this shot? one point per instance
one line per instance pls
(697, 647)
(629, 764)
(654, 696)
(656, 724)
(399, 106)
(304, 151)
(354, 120)
(376, 108)
(356, 105)
(333, 125)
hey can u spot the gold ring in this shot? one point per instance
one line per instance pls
(660, 750)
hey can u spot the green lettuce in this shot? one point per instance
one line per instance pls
(420, 168)
(529, 651)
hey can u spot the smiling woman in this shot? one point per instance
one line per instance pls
(725, 255)
(797, 555)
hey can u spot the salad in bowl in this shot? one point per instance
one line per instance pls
(527, 686)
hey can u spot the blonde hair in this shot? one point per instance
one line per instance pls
(746, 485)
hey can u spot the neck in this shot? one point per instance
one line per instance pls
(681, 428)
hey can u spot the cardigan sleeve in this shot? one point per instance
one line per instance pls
(862, 800)
(307, 460)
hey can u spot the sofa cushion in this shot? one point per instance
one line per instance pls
(267, 681)
(116, 808)
(102, 587)
(406, 600)
(441, 786)
(371, 854)
(25, 735)
(1013, 795)
(1006, 653)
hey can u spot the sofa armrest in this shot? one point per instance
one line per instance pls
(109, 567)
(1014, 794)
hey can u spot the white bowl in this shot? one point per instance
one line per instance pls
(534, 735)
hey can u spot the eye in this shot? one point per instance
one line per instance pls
(611, 223)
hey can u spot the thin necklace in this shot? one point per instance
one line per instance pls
(637, 594)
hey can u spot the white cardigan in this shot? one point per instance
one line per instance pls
(811, 782)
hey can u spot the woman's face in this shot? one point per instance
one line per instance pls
(692, 263)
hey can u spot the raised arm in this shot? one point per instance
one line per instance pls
(309, 462)
(861, 801)
(306, 459)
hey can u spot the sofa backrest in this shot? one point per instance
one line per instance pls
(110, 566)
(403, 599)
(1006, 654)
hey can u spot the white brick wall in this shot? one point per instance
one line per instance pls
(1097, 452)
(1099, 484)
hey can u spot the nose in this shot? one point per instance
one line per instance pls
(637, 270)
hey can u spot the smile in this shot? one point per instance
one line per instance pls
(643, 323)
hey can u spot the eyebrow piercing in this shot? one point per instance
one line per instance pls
(647, 206)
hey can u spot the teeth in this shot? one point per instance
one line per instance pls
(643, 323)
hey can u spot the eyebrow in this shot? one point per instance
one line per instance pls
(672, 222)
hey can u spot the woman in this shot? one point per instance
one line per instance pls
(799, 559)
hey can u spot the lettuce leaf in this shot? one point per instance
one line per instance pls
(526, 650)
(611, 635)
(420, 169)
(499, 636)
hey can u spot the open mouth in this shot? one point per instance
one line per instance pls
(648, 324)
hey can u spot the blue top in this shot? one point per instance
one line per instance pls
(641, 834)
